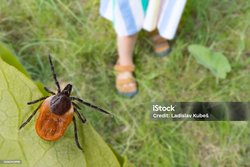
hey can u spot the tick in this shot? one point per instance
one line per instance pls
(57, 111)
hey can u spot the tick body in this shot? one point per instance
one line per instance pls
(51, 126)
(57, 111)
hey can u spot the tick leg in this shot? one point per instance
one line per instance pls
(35, 101)
(76, 106)
(49, 91)
(76, 136)
(30, 117)
(54, 74)
(80, 116)
(89, 105)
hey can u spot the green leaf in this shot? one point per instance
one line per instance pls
(122, 160)
(216, 62)
(97, 153)
(25, 145)
(9, 58)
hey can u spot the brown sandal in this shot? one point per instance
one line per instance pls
(161, 46)
(128, 91)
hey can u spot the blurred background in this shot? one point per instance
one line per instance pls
(82, 45)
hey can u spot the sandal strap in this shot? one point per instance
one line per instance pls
(157, 39)
(127, 68)
(125, 81)
(160, 44)
(161, 47)
(121, 82)
(126, 89)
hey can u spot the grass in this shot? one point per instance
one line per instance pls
(83, 48)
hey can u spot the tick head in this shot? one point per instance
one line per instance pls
(67, 90)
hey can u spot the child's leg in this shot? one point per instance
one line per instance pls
(125, 47)
(124, 79)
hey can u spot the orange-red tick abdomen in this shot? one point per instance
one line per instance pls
(50, 126)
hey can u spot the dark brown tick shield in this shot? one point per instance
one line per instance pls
(57, 111)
